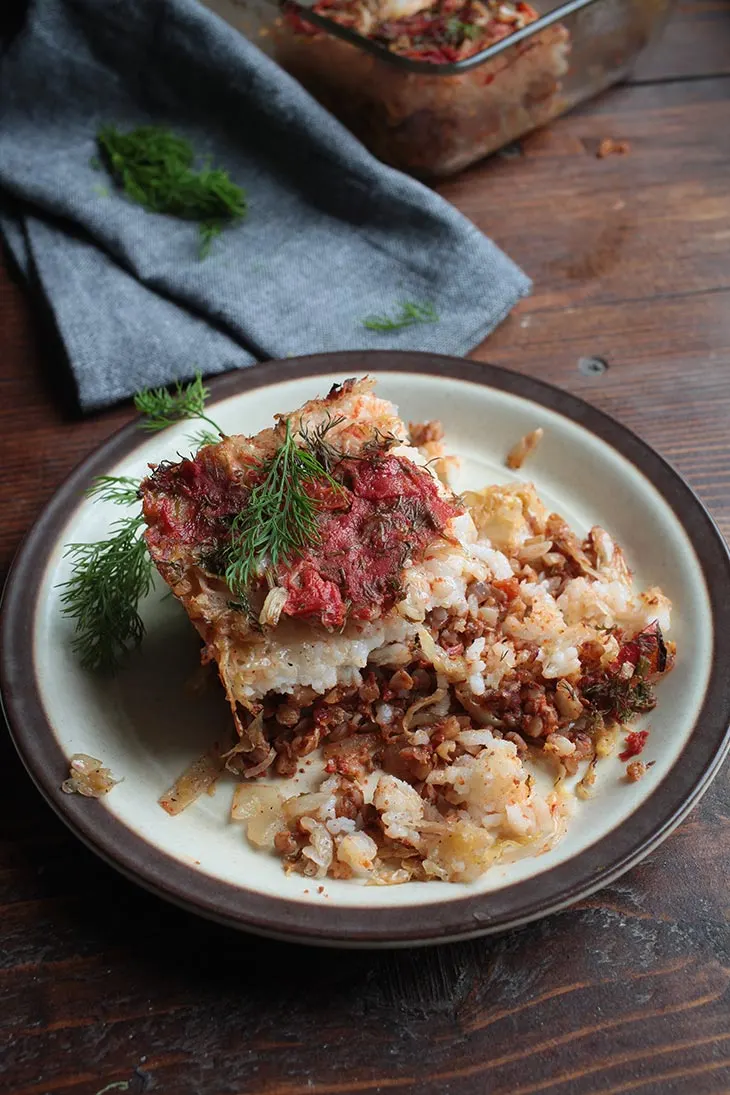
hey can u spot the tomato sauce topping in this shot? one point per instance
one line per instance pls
(390, 512)
(381, 519)
(191, 502)
(444, 33)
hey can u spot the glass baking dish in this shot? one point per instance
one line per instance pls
(435, 119)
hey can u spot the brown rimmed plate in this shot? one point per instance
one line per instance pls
(146, 725)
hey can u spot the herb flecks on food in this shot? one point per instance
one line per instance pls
(457, 31)
(409, 314)
(162, 407)
(315, 438)
(379, 445)
(154, 168)
(280, 518)
(622, 697)
(317, 443)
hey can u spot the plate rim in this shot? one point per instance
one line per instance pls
(462, 917)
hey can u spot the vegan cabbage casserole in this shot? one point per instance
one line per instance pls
(427, 658)
(430, 123)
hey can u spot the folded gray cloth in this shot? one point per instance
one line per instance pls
(331, 235)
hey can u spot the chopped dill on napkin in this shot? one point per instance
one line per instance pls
(409, 313)
(154, 167)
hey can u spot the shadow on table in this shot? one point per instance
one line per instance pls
(94, 910)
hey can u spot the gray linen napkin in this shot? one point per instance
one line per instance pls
(331, 235)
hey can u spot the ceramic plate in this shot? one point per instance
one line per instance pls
(146, 725)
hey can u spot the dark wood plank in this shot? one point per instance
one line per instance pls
(623, 251)
(627, 992)
(696, 42)
(673, 391)
(655, 222)
(41, 436)
(101, 983)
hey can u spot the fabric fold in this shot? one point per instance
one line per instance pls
(331, 235)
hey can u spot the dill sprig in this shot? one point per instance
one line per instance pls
(409, 314)
(109, 578)
(122, 490)
(280, 518)
(316, 441)
(380, 444)
(162, 408)
(202, 438)
(154, 168)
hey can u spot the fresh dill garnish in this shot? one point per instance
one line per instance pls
(110, 577)
(209, 231)
(122, 490)
(280, 518)
(410, 313)
(162, 408)
(380, 444)
(316, 441)
(108, 580)
(202, 438)
(154, 168)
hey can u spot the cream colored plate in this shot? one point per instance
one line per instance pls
(146, 724)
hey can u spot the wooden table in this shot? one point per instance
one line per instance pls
(102, 984)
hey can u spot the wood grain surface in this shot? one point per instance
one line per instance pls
(102, 985)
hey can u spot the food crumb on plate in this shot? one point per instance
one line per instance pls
(524, 447)
(635, 742)
(88, 777)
